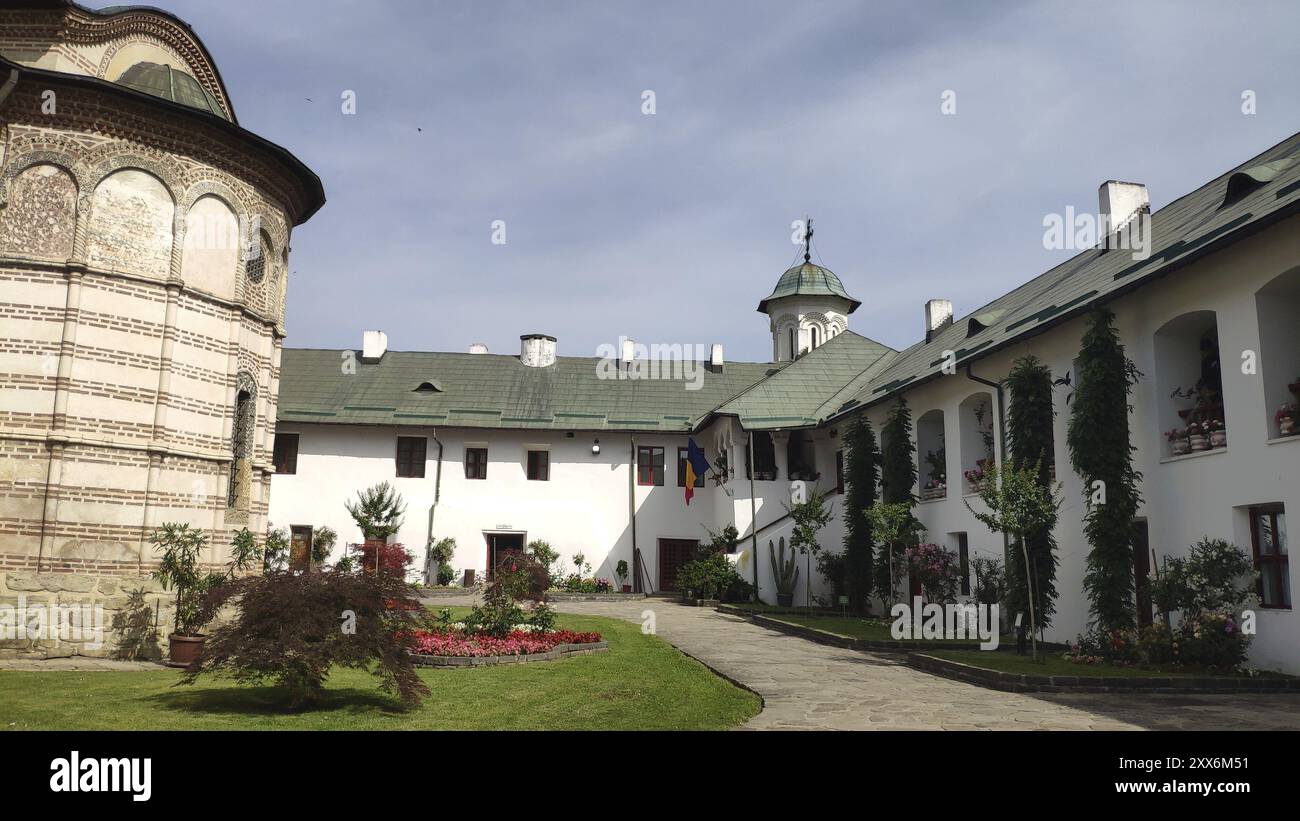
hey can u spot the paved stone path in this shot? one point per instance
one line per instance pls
(812, 686)
(76, 663)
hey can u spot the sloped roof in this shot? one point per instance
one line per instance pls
(810, 388)
(496, 391)
(811, 280)
(1186, 229)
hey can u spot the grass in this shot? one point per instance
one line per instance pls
(642, 683)
(1053, 665)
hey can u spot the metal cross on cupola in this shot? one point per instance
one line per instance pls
(807, 240)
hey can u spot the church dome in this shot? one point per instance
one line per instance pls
(807, 279)
(170, 84)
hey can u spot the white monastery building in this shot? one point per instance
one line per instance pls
(496, 450)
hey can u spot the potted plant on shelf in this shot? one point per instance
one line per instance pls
(785, 574)
(1286, 419)
(1196, 438)
(1178, 444)
(1217, 431)
(620, 570)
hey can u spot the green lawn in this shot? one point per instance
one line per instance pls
(1053, 665)
(641, 683)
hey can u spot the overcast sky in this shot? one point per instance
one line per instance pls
(671, 227)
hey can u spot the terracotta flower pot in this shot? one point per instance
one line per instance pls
(182, 651)
(627, 588)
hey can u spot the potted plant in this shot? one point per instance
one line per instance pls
(179, 570)
(1178, 444)
(1286, 419)
(1196, 438)
(1217, 431)
(620, 570)
(785, 573)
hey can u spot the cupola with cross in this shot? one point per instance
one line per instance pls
(807, 307)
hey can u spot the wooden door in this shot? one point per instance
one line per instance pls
(300, 548)
(499, 545)
(673, 553)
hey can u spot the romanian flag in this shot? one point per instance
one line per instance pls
(696, 466)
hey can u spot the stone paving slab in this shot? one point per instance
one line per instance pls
(811, 686)
(76, 663)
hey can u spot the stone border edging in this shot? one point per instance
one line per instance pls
(564, 596)
(1026, 683)
(446, 592)
(835, 640)
(559, 651)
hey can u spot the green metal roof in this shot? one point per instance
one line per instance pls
(812, 387)
(495, 391)
(807, 279)
(171, 84)
(1181, 232)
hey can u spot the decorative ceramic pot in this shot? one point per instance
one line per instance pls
(1198, 442)
(1179, 447)
(182, 651)
(1218, 438)
(1286, 427)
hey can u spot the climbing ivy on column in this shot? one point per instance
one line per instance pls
(1101, 452)
(1029, 430)
(861, 472)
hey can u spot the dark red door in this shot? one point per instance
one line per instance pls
(673, 553)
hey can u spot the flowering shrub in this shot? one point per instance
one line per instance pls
(937, 570)
(514, 643)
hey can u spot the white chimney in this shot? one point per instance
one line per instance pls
(1118, 202)
(938, 315)
(628, 353)
(478, 347)
(373, 346)
(715, 357)
(537, 350)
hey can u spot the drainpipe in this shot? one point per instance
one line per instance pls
(753, 516)
(437, 493)
(638, 566)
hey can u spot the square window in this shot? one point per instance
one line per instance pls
(649, 466)
(476, 463)
(285, 455)
(539, 465)
(410, 456)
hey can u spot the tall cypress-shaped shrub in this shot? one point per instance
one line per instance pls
(897, 473)
(1102, 454)
(1029, 430)
(861, 471)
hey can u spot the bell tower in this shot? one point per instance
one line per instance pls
(807, 307)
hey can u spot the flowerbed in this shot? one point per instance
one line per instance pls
(516, 643)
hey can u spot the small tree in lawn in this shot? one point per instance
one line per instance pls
(897, 529)
(861, 472)
(378, 511)
(1102, 455)
(897, 476)
(809, 517)
(1018, 505)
